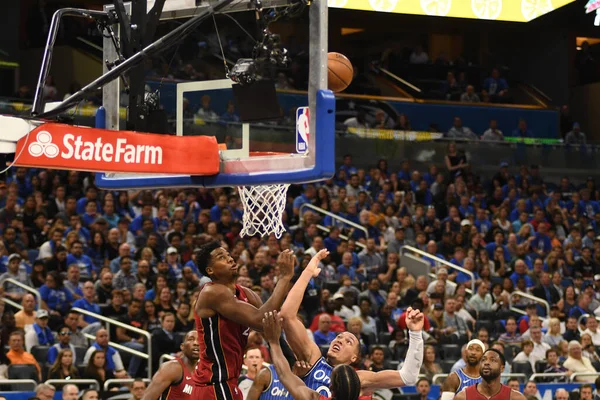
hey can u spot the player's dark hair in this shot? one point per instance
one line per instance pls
(502, 359)
(345, 384)
(203, 256)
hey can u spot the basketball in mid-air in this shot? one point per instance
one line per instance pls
(340, 72)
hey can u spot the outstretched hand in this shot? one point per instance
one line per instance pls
(271, 326)
(286, 262)
(312, 267)
(414, 319)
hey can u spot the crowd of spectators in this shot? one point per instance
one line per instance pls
(130, 256)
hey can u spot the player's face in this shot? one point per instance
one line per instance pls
(190, 346)
(491, 366)
(474, 354)
(222, 265)
(344, 349)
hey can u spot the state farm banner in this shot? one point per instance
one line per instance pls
(63, 146)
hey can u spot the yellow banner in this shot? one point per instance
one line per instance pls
(501, 10)
(387, 134)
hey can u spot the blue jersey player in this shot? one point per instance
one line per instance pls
(345, 348)
(468, 375)
(267, 386)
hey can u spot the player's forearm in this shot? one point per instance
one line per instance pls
(290, 308)
(291, 382)
(414, 359)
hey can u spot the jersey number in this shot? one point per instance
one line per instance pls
(246, 332)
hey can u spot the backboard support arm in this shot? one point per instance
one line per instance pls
(156, 47)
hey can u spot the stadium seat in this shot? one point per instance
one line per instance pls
(540, 366)
(522, 367)
(384, 338)
(486, 316)
(40, 353)
(447, 365)
(23, 371)
(394, 364)
(510, 352)
(333, 286)
(80, 353)
(372, 338)
(32, 255)
(489, 325)
(386, 350)
(450, 351)
(499, 327)
(324, 349)
(400, 351)
(179, 337)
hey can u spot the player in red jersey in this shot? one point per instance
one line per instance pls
(490, 388)
(225, 312)
(173, 380)
(345, 384)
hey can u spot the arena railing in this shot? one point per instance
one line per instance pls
(530, 297)
(582, 317)
(424, 254)
(578, 374)
(34, 291)
(110, 382)
(322, 211)
(11, 382)
(439, 376)
(74, 382)
(535, 376)
(110, 321)
(164, 358)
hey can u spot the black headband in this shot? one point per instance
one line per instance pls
(499, 354)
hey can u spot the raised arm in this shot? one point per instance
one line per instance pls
(167, 374)
(295, 332)
(408, 374)
(294, 385)
(219, 298)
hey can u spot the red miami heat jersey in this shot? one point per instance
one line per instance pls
(181, 390)
(473, 394)
(222, 343)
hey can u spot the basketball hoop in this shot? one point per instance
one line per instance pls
(263, 209)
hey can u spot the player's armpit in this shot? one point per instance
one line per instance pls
(296, 336)
(462, 395)
(262, 382)
(371, 381)
(170, 372)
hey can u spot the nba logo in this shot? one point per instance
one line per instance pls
(302, 129)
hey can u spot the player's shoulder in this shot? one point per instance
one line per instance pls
(212, 290)
(516, 395)
(172, 369)
(264, 376)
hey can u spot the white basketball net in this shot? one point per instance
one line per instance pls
(263, 209)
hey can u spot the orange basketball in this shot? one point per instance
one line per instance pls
(340, 71)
